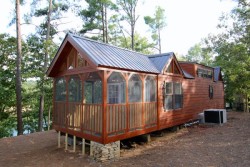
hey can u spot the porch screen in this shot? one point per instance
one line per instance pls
(60, 89)
(116, 88)
(150, 89)
(75, 89)
(135, 88)
(93, 89)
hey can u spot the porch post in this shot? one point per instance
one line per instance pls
(127, 103)
(66, 141)
(104, 105)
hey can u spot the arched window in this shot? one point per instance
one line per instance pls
(93, 89)
(116, 88)
(135, 88)
(60, 89)
(150, 89)
(75, 89)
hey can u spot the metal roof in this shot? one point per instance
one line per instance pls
(111, 56)
(187, 75)
(216, 73)
(160, 60)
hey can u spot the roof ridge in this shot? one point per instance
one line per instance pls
(107, 44)
(160, 55)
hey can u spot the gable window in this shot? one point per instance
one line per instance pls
(135, 88)
(116, 88)
(173, 97)
(81, 62)
(172, 68)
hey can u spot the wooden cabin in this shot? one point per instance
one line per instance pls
(104, 93)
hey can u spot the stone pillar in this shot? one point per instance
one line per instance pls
(104, 152)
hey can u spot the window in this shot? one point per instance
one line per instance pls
(135, 88)
(93, 89)
(172, 68)
(60, 89)
(173, 97)
(177, 95)
(81, 62)
(150, 89)
(75, 89)
(169, 69)
(71, 59)
(116, 88)
(176, 71)
(204, 73)
(168, 101)
(211, 91)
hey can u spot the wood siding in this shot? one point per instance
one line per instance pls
(195, 98)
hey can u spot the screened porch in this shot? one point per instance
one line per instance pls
(105, 106)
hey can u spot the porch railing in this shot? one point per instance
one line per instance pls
(86, 118)
(121, 118)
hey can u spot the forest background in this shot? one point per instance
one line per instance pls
(26, 92)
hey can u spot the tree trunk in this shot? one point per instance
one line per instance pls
(106, 24)
(18, 72)
(159, 40)
(41, 109)
(103, 23)
(132, 28)
(46, 55)
(247, 107)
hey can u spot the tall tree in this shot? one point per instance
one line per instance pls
(130, 16)
(156, 23)
(141, 44)
(45, 31)
(232, 48)
(46, 55)
(18, 71)
(199, 54)
(95, 18)
(7, 84)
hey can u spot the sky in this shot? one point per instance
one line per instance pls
(188, 21)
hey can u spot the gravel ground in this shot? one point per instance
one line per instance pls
(200, 145)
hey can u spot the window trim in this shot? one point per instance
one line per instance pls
(173, 96)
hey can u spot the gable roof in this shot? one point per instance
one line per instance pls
(105, 55)
(160, 60)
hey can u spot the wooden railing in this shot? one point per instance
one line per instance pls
(59, 117)
(150, 110)
(121, 118)
(92, 119)
(86, 118)
(116, 119)
(136, 116)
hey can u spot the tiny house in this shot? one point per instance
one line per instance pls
(104, 93)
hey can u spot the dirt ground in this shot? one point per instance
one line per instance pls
(203, 145)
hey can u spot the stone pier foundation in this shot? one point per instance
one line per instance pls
(104, 152)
